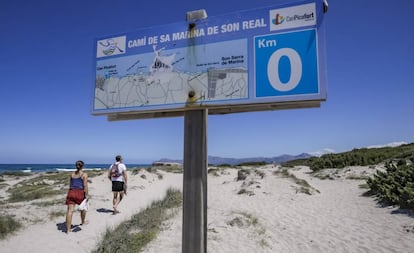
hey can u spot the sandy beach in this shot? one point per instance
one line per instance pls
(265, 212)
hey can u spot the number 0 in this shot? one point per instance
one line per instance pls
(295, 71)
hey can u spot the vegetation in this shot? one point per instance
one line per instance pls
(133, 235)
(245, 191)
(297, 162)
(213, 171)
(47, 203)
(55, 214)
(43, 185)
(32, 192)
(361, 157)
(225, 165)
(8, 225)
(304, 186)
(260, 173)
(252, 164)
(166, 168)
(15, 174)
(395, 186)
(247, 220)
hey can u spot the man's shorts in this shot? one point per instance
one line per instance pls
(117, 186)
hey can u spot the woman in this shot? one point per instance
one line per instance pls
(78, 191)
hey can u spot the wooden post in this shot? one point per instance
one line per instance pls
(194, 234)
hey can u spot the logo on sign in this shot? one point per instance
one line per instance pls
(286, 64)
(111, 46)
(292, 17)
(279, 19)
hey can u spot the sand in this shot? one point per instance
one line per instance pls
(266, 212)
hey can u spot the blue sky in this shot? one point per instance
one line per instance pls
(47, 75)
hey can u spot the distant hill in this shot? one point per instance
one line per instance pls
(216, 160)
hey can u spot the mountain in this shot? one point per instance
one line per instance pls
(216, 160)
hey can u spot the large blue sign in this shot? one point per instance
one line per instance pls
(242, 60)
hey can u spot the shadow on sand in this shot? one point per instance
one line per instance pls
(62, 227)
(105, 210)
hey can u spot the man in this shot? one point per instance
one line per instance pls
(118, 175)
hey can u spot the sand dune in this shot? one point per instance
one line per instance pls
(266, 212)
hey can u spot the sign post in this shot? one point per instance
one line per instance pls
(194, 234)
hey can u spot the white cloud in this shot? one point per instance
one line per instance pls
(392, 144)
(322, 152)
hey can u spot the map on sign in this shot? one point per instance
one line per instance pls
(216, 71)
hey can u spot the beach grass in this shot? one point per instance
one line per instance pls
(15, 174)
(3, 185)
(43, 185)
(248, 220)
(57, 214)
(304, 186)
(134, 234)
(8, 225)
(48, 203)
(213, 171)
(169, 168)
(31, 192)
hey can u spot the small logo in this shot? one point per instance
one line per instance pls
(292, 17)
(279, 19)
(111, 46)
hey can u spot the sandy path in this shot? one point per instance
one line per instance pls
(49, 236)
(338, 219)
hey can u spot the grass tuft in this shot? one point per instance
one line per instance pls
(8, 225)
(133, 235)
(304, 186)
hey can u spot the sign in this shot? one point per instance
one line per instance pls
(263, 59)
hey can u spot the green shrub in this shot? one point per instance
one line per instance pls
(358, 157)
(8, 225)
(261, 163)
(224, 165)
(395, 186)
(213, 171)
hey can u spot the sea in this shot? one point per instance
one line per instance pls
(36, 168)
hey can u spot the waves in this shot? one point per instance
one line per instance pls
(35, 168)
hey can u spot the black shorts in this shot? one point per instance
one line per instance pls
(117, 186)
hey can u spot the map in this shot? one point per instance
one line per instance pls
(174, 76)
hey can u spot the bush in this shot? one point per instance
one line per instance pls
(358, 157)
(395, 186)
(8, 225)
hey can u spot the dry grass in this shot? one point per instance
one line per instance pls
(8, 225)
(133, 235)
(303, 185)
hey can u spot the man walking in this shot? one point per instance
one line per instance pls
(118, 175)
